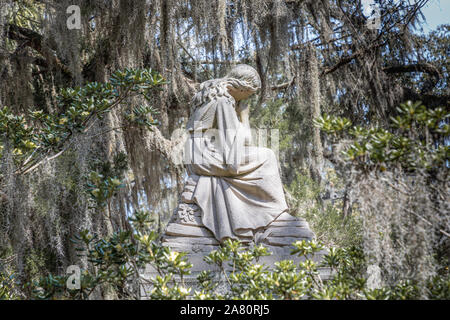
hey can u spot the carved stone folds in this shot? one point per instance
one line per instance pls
(186, 232)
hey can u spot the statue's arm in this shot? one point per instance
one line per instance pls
(243, 112)
(232, 132)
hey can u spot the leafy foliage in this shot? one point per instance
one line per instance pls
(416, 141)
(8, 286)
(39, 135)
(123, 256)
(398, 177)
(119, 261)
(106, 180)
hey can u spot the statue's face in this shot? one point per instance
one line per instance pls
(239, 94)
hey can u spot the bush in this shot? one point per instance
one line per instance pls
(119, 262)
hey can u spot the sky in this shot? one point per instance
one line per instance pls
(436, 12)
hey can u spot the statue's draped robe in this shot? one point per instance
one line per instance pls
(239, 189)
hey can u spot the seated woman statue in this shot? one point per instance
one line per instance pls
(238, 187)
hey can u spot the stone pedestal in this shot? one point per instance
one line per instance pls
(199, 265)
(186, 233)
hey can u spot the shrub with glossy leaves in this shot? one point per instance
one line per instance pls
(39, 135)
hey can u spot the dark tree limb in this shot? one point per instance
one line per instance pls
(403, 23)
(35, 41)
(430, 100)
(347, 59)
(418, 67)
(3, 196)
(282, 86)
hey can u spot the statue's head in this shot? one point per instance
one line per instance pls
(240, 83)
(243, 81)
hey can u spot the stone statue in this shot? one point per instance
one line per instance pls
(234, 189)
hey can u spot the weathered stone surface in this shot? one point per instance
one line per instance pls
(192, 180)
(283, 241)
(176, 229)
(196, 221)
(193, 248)
(286, 217)
(291, 232)
(291, 223)
(186, 213)
(187, 197)
(192, 240)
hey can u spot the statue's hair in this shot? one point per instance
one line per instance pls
(242, 77)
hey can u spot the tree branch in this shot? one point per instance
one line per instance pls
(430, 100)
(283, 85)
(418, 67)
(347, 59)
(35, 41)
(376, 44)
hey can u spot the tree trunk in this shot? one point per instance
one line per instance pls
(313, 99)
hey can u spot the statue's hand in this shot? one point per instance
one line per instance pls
(243, 111)
(242, 107)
